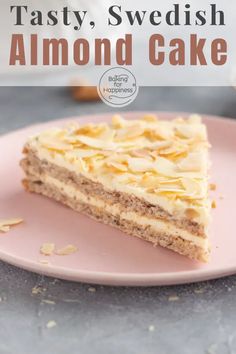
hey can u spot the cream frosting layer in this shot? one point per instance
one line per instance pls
(158, 225)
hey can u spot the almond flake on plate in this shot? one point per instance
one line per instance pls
(69, 249)
(7, 223)
(47, 249)
(212, 186)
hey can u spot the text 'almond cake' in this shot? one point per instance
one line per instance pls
(147, 177)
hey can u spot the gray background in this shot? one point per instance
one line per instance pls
(202, 319)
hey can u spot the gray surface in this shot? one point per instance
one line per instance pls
(113, 320)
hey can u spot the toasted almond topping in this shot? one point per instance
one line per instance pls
(69, 249)
(147, 152)
(47, 249)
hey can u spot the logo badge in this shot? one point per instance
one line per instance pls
(117, 87)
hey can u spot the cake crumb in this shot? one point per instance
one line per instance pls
(151, 328)
(91, 289)
(221, 197)
(38, 290)
(173, 298)
(199, 291)
(69, 249)
(5, 225)
(47, 249)
(49, 302)
(213, 204)
(51, 324)
(212, 186)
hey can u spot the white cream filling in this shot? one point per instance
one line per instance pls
(173, 207)
(158, 225)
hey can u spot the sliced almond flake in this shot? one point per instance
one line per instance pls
(127, 178)
(128, 133)
(107, 135)
(150, 181)
(118, 122)
(141, 153)
(165, 167)
(191, 186)
(174, 149)
(170, 181)
(82, 165)
(139, 143)
(194, 162)
(95, 165)
(72, 140)
(85, 129)
(96, 143)
(212, 186)
(4, 228)
(67, 250)
(55, 144)
(47, 249)
(83, 153)
(163, 131)
(117, 166)
(213, 204)
(11, 222)
(158, 145)
(138, 164)
(191, 131)
(98, 130)
(169, 190)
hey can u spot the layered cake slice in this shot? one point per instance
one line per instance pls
(147, 177)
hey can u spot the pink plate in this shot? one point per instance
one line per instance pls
(105, 255)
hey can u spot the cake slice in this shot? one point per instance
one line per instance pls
(147, 177)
